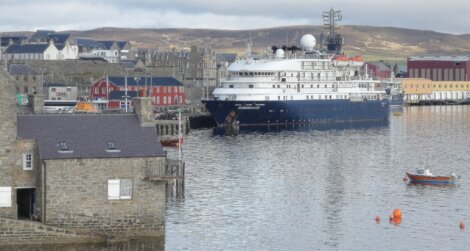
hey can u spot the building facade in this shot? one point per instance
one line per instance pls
(421, 89)
(439, 68)
(164, 91)
(27, 81)
(196, 67)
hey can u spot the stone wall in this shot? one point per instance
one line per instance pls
(77, 196)
(14, 232)
(7, 137)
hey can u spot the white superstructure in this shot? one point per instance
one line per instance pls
(298, 75)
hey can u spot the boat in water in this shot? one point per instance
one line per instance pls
(426, 176)
(299, 85)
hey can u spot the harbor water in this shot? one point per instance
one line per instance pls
(297, 188)
(321, 188)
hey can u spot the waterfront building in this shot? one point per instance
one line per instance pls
(81, 171)
(110, 51)
(425, 90)
(439, 68)
(58, 91)
(164, 91)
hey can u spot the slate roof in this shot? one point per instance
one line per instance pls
(157, 81)
(107, 44)
(21, 69)
(26, 48)
(90, 43)
(87, 135)
(5, 41)
(42, 35)
(226, 57)
(118, 95)
(59, 38)
(128, 64)
(122, 44)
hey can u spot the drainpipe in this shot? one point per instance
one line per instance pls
(43, 192)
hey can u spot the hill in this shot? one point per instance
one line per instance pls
(395, 44)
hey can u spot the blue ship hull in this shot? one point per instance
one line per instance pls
(296, 112)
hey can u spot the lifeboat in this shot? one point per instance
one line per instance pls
(341, 60)
(86, 107)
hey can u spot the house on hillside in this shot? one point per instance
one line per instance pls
(6, 41)
(111, 51)
(64, 42)
(32, 52)
(164, 91)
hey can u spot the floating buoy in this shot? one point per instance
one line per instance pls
(462, 226)
(377, 219)
(397, 213)
(396, 221)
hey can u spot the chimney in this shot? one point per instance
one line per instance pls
(36, 101)
(144, 110)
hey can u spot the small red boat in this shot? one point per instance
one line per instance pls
(426, 176)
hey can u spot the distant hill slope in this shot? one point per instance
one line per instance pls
(373, 42)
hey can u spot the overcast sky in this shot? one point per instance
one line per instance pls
(451, 16)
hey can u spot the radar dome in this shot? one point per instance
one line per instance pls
(279, 53)
(307, 42)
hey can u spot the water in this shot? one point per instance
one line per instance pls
(318, 189)
(321, 188)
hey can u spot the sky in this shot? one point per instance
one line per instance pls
(450, 16)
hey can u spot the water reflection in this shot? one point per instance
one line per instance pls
(327, 126)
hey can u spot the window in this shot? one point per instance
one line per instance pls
(97, 90)
(5, 196)
(111, 145)
(119, 189)
(27, 161)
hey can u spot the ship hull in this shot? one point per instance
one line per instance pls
(296, 111)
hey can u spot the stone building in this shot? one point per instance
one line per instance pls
(27, 81)
(196, 67)
(86, 172)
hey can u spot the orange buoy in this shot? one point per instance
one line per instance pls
(377, 219)
(397, 213)
(462, 226)
(396, 221)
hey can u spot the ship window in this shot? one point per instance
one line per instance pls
(250, 86)
(283, 79)
(307, 97)
(266, 97)
(318, 86)
(274, 86)
(326, 86)
(230, 86)
(311, 86)
(251, 73)
(302, 86)
(278, 86)
(278, 97)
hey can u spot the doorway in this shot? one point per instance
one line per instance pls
(25, 198)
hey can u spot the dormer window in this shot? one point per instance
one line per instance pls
(64, 148)
(112, 148)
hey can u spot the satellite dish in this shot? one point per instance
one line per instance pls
(279, 53)
(307, 42)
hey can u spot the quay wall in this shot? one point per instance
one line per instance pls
(14, 232)
(77, 196)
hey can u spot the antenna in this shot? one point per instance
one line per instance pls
(334, 41)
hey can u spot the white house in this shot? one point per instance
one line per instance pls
(32, 52)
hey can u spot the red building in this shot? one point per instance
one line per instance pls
(378, 70)
(440, 68)
(164, 91)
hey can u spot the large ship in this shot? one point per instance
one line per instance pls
(299, 85)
